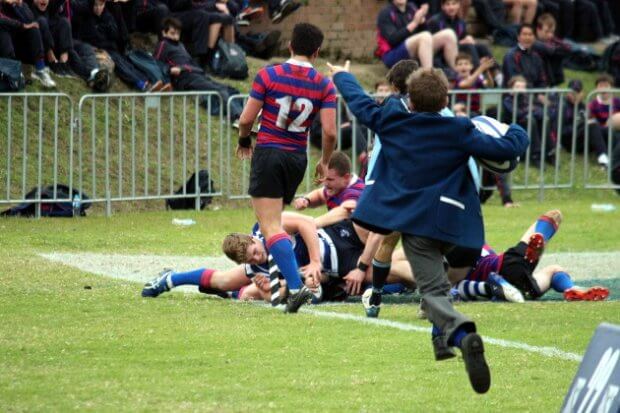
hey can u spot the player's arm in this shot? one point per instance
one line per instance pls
(293, 223)
(512, 144)
(313, 199)
(248, 116)
(328, 124)
(337, 214)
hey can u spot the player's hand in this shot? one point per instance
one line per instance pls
(262, 282)
(244, 153)
(354, 281)
(319, 172)
(312, 270)
(300, 204)
(333, 69)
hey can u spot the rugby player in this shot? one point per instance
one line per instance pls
(290, 95)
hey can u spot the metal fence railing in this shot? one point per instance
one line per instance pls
(139, 147)
(610, 134)
(36, 147)
(136, 147)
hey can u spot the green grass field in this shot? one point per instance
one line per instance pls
(72, 340)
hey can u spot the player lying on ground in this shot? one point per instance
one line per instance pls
(517, 265)
(340, 192)
(339, 247)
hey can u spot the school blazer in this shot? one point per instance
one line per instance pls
(422, 185)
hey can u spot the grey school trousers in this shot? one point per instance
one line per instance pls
(425, 255)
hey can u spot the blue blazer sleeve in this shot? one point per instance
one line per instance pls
(365, 109)
(511, 145)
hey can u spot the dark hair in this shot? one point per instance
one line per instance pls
(445, 1)
(171, 22)
(428, 90)
(526, 26)
(604, 78)
(399, 73)
(340, 162)
(463, 56)
(306, 39)
(546, 19)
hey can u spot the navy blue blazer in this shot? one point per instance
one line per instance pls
(422, 182)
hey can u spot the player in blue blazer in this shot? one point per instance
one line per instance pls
(424, 190)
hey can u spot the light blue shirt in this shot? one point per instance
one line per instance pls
(471, 163)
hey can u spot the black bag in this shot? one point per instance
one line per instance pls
(50, 209)
(11, 77)
(229, 61)
(206, 185)
(610, 62)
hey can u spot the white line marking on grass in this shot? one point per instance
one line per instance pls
(545, 351)
(140, 268)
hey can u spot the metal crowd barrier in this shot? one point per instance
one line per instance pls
(595, 178)
(34, 128)
(138, 147)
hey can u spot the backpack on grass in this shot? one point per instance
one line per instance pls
(50, 209)
(11, 77)
(205, 185)
(229, 61)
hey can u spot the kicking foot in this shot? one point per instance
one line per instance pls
(535, 247)
(158, 285)
(475, 364)
(503, 290)
(596, 293)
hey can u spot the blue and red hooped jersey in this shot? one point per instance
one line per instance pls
(488, 262)
(292, 94)
(353, 191)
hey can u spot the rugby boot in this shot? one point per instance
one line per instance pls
(596, 293)
(503, 290)
(296, 300)
(158, 285)
(535, 247)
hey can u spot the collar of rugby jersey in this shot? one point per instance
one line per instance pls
(299, 62)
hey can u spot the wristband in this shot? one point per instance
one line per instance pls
(362, 266)
(307, 199)
(245, 142)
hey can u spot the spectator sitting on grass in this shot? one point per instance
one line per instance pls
(449, 18)
(186, 74)
(525, 61)
(552, 49)
(402, 34)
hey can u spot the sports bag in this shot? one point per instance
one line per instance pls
(11, 77)
(51, 209)
(205, 185)
(229, 61)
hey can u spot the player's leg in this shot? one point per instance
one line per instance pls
(556, 278)
(381, 266)
(208, 281)
(446, 41)
(495, 288)
(420, 46)
(540, 233)
(426, 259)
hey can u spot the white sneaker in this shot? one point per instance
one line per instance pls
(44, 77)
(603, 160)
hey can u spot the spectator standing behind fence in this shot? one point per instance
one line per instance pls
(599, 108)
(517, 109)
(469, 79)
(401, 34)
(186, 74)
(575, 108)
(20, 38)
(449, 18)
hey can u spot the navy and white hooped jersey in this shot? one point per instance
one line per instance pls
(329, 254)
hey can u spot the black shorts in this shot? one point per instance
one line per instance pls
(348, 245)
(519, 272)
(276, 173)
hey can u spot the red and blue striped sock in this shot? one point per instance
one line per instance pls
(281, 248)
(193, 277)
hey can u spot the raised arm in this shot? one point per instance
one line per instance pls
(365, 109)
